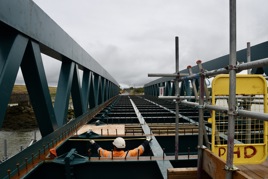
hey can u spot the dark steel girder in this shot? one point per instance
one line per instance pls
(63, 92)
(9, 69)
(76, 92)
(37, 87)
(26, 17)
(259, 51)
(86, 83)
(26, 32)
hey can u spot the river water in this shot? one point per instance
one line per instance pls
(16, 141)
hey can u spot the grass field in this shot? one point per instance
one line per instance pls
(22, 89)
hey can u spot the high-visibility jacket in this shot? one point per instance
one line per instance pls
(121, 153)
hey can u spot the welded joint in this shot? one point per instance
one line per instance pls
(202, 72)
(233, 168)
(233, 113)
(201, 106)
(232, 67)
(205, 74)
(177, 100)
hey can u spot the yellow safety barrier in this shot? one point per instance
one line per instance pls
(250, 141)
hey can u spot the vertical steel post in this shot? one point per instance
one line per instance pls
(248, 120)
(193, 82)
(201, 124)
(200, 67)
(232, 91)
(248, 55)
(205, 91)
(177, 94)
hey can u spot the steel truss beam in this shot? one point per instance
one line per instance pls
(29, 19)
(26, 32)
(11, 58)
(35, 79)
(259, 51)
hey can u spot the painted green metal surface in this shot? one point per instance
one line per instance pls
(63, 92)
(20, 18)
(185, 89)
(86, 82)
(35, 79)
(96, 81)
(92, 94)
(22, 40)
(100, 90)
(10, 69)
(76, 92)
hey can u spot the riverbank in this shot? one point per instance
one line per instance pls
(22, 117)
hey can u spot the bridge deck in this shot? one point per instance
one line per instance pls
(258, 171)
(121, 118)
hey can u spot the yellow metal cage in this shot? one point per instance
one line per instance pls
(250, 140)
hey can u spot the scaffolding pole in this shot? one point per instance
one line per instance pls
(232, 92)
(201, 125)
(178, 95)
(193, 83)
(248, 55)
(225, 70)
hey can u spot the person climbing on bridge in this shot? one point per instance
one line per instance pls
(119, 148)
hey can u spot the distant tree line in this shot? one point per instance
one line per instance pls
(133, 91)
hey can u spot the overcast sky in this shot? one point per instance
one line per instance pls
(131, 38)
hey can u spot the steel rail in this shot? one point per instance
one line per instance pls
(155, 146)
(240, 112)
(166, 75)
(143, 158)
(237, 68)
(137, 138)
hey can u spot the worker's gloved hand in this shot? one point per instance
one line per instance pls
(94, 145)
(149, 138)
(92, 142)
(89, 132)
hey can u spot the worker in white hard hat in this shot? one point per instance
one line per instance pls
(119, 148)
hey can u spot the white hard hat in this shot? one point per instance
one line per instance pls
(119, 143)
